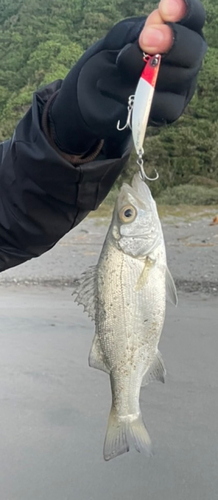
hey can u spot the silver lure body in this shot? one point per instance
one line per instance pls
(126, 296)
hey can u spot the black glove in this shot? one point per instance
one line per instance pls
(94, 95)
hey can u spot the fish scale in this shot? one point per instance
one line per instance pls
(124, 311)
(126, 331)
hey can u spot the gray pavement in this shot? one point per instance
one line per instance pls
(54, 408)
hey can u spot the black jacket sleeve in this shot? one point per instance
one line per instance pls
(42, 195)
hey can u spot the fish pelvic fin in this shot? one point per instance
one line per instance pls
(171, 288)
(122, 432)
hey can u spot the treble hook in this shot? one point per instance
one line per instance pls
(143, 174)
(129, 115)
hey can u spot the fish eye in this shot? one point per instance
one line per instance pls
(127, 214)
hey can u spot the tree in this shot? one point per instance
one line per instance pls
(40, 41)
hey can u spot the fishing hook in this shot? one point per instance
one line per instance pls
(140, 163)
(129, 115)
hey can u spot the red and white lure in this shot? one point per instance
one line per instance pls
(139, 107)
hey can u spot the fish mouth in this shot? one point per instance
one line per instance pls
(141, 188)
(137, 192)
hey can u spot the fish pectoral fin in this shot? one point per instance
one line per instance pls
(171, 288)
(157, 371)
(85, 291)
(96, 357)
(143, 278)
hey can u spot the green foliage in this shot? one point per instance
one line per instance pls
(188, 194)
(40, 41)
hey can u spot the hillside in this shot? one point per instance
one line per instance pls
(39, 41)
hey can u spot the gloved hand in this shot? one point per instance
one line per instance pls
(94, 95)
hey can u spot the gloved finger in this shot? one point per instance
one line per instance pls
(187, 52)
(195, 16)
(126, 31)
(119, 90)
(171, 79)
(174, 79)
(167, 105)
(90, 90)
(130, 62)
(188, 48)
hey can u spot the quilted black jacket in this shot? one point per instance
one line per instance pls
(42, 195)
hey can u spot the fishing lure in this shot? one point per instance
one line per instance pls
(139, 107)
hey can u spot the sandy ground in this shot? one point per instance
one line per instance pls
(54, 408)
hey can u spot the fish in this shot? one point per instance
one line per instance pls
(125, 295)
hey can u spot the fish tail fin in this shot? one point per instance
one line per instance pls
(120, 433)
(139, 435)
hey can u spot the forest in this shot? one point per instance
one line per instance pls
(40, 41)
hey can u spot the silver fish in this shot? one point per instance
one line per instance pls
(125, 294)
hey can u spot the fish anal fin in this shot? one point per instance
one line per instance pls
(157, 371)
(96, 357)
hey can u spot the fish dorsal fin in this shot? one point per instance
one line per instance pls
(96, 357)
(85, 292)
(171, 288)
(156, 371)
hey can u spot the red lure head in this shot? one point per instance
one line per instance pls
(151, 69)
